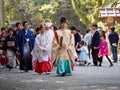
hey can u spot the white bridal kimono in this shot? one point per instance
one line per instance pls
(42, 42)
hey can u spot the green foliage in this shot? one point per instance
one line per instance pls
(116, 2)
(18, 9)
(117, 26)
(21, 10)
(29, 10)
(87, 10)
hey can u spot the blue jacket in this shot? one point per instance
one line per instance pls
(22, 38)
(113, 38)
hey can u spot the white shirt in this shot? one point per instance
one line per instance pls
(88, 38)
(50, 33)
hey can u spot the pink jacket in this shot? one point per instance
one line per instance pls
(103, 49)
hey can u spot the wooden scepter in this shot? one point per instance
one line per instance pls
(61, 41)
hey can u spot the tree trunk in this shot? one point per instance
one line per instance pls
(1, 13)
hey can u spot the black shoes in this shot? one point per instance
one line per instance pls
(25, 70)
(100, 65)
(115, 62)
(88, 64)
(47, 73)
(111, 65)
(63, 74)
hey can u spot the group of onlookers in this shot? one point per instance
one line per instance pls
(96, 45)
(50, 47)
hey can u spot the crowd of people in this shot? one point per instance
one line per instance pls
(52, 47)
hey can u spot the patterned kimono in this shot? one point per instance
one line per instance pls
(2, 52)
(41, 59)
(10, 51)
(25, 44)
(63, 51)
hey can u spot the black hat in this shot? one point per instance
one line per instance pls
(63, 19)
(95, 25)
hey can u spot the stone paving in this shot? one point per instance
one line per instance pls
(83, 78)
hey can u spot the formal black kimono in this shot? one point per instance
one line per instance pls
(10, 47)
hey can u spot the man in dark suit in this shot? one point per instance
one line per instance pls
(95, 43)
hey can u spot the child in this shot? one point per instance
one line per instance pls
(83, 54)
(103, 49)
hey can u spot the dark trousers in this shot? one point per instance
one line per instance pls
(26, 63)
(101, 59)
(95, 56)
(26, 59)
(114, 52)
(89, 50)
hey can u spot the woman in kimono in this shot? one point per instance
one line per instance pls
(3, 35)
(10, 49)
(40, 53)
(63, 51)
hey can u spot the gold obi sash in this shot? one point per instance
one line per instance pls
(2, 40)
(10, 43)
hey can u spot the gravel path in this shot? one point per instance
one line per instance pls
(83, 78)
